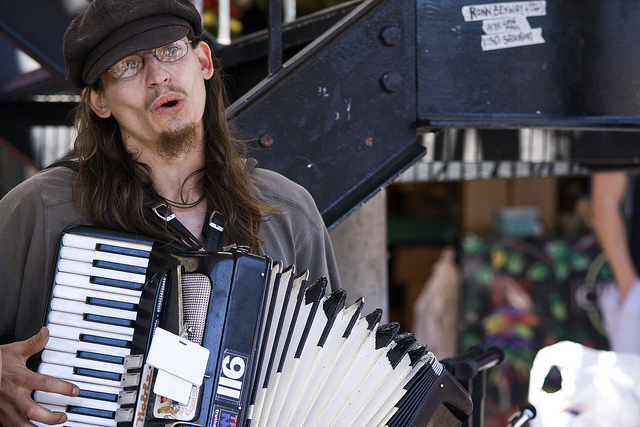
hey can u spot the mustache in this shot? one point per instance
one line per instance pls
(158, 92)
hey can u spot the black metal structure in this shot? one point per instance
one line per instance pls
(340, 115)
(342, 100)
(581, 72)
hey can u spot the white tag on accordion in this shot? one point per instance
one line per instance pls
(180, 358)
(172, 387)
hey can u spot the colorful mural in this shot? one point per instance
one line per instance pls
(525, 294)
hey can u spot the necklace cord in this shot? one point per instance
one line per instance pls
(185, 205)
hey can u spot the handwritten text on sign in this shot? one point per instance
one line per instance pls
(505, 24)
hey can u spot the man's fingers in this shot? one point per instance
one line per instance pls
(17, 405)
(35, 412)
(9, 416)
(35, 343)
(18, 375)
(17, 408)
(52, 385)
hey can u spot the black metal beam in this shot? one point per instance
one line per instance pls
(37, 27)
(581, 73)
(275, 36)
(295, 36)
(339, 118)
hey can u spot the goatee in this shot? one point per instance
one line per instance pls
(173, 143)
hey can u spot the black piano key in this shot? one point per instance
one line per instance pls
(116, 283)
(98, 395)
(94, 373)
(100, 357)
(109, 265)
(115, 321)
(92, 412)
(113, 342)
(103, 247)
(112, 304)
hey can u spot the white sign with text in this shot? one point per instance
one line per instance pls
(505, 24)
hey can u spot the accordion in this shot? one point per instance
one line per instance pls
(283, 351)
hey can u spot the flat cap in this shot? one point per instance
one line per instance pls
(109, 30)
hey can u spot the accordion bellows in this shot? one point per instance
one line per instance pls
(284, 352)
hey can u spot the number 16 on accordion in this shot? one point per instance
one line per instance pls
(111, 291)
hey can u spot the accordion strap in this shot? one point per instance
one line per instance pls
(214, 226)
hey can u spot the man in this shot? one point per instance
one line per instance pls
(615, 206)
(151, 133)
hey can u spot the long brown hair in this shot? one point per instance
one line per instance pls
(111, 185)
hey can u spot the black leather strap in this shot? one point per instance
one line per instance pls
(163, 212)
(213, 227)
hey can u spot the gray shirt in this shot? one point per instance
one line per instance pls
(36, 212)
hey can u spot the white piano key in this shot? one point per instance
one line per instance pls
(73, 333)
(96, 421)
(61, 400)
(67, 424)
(88, 269)
(71, 346)
(87, 255)
(76, 320)
(90, 242)
(66, 373)
(101, 388)
(70, 359)
(79, 294)
(81, 281)
(81, 307)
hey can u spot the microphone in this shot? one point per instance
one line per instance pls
(527, 412)
(467, 368)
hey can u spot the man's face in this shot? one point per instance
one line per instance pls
(164, 101)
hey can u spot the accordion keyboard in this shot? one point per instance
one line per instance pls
(93, 308)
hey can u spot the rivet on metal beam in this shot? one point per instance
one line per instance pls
(266, 141)
(391, 35)
(391, 82)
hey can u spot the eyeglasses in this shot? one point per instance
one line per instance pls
(129, 66)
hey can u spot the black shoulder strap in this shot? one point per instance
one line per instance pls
(162, 212)
(213, 227)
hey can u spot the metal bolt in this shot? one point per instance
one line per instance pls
(391, 35)
(266, 141)
(368, 142)
(391, 82)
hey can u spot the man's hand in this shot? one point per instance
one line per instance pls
(17, 382)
